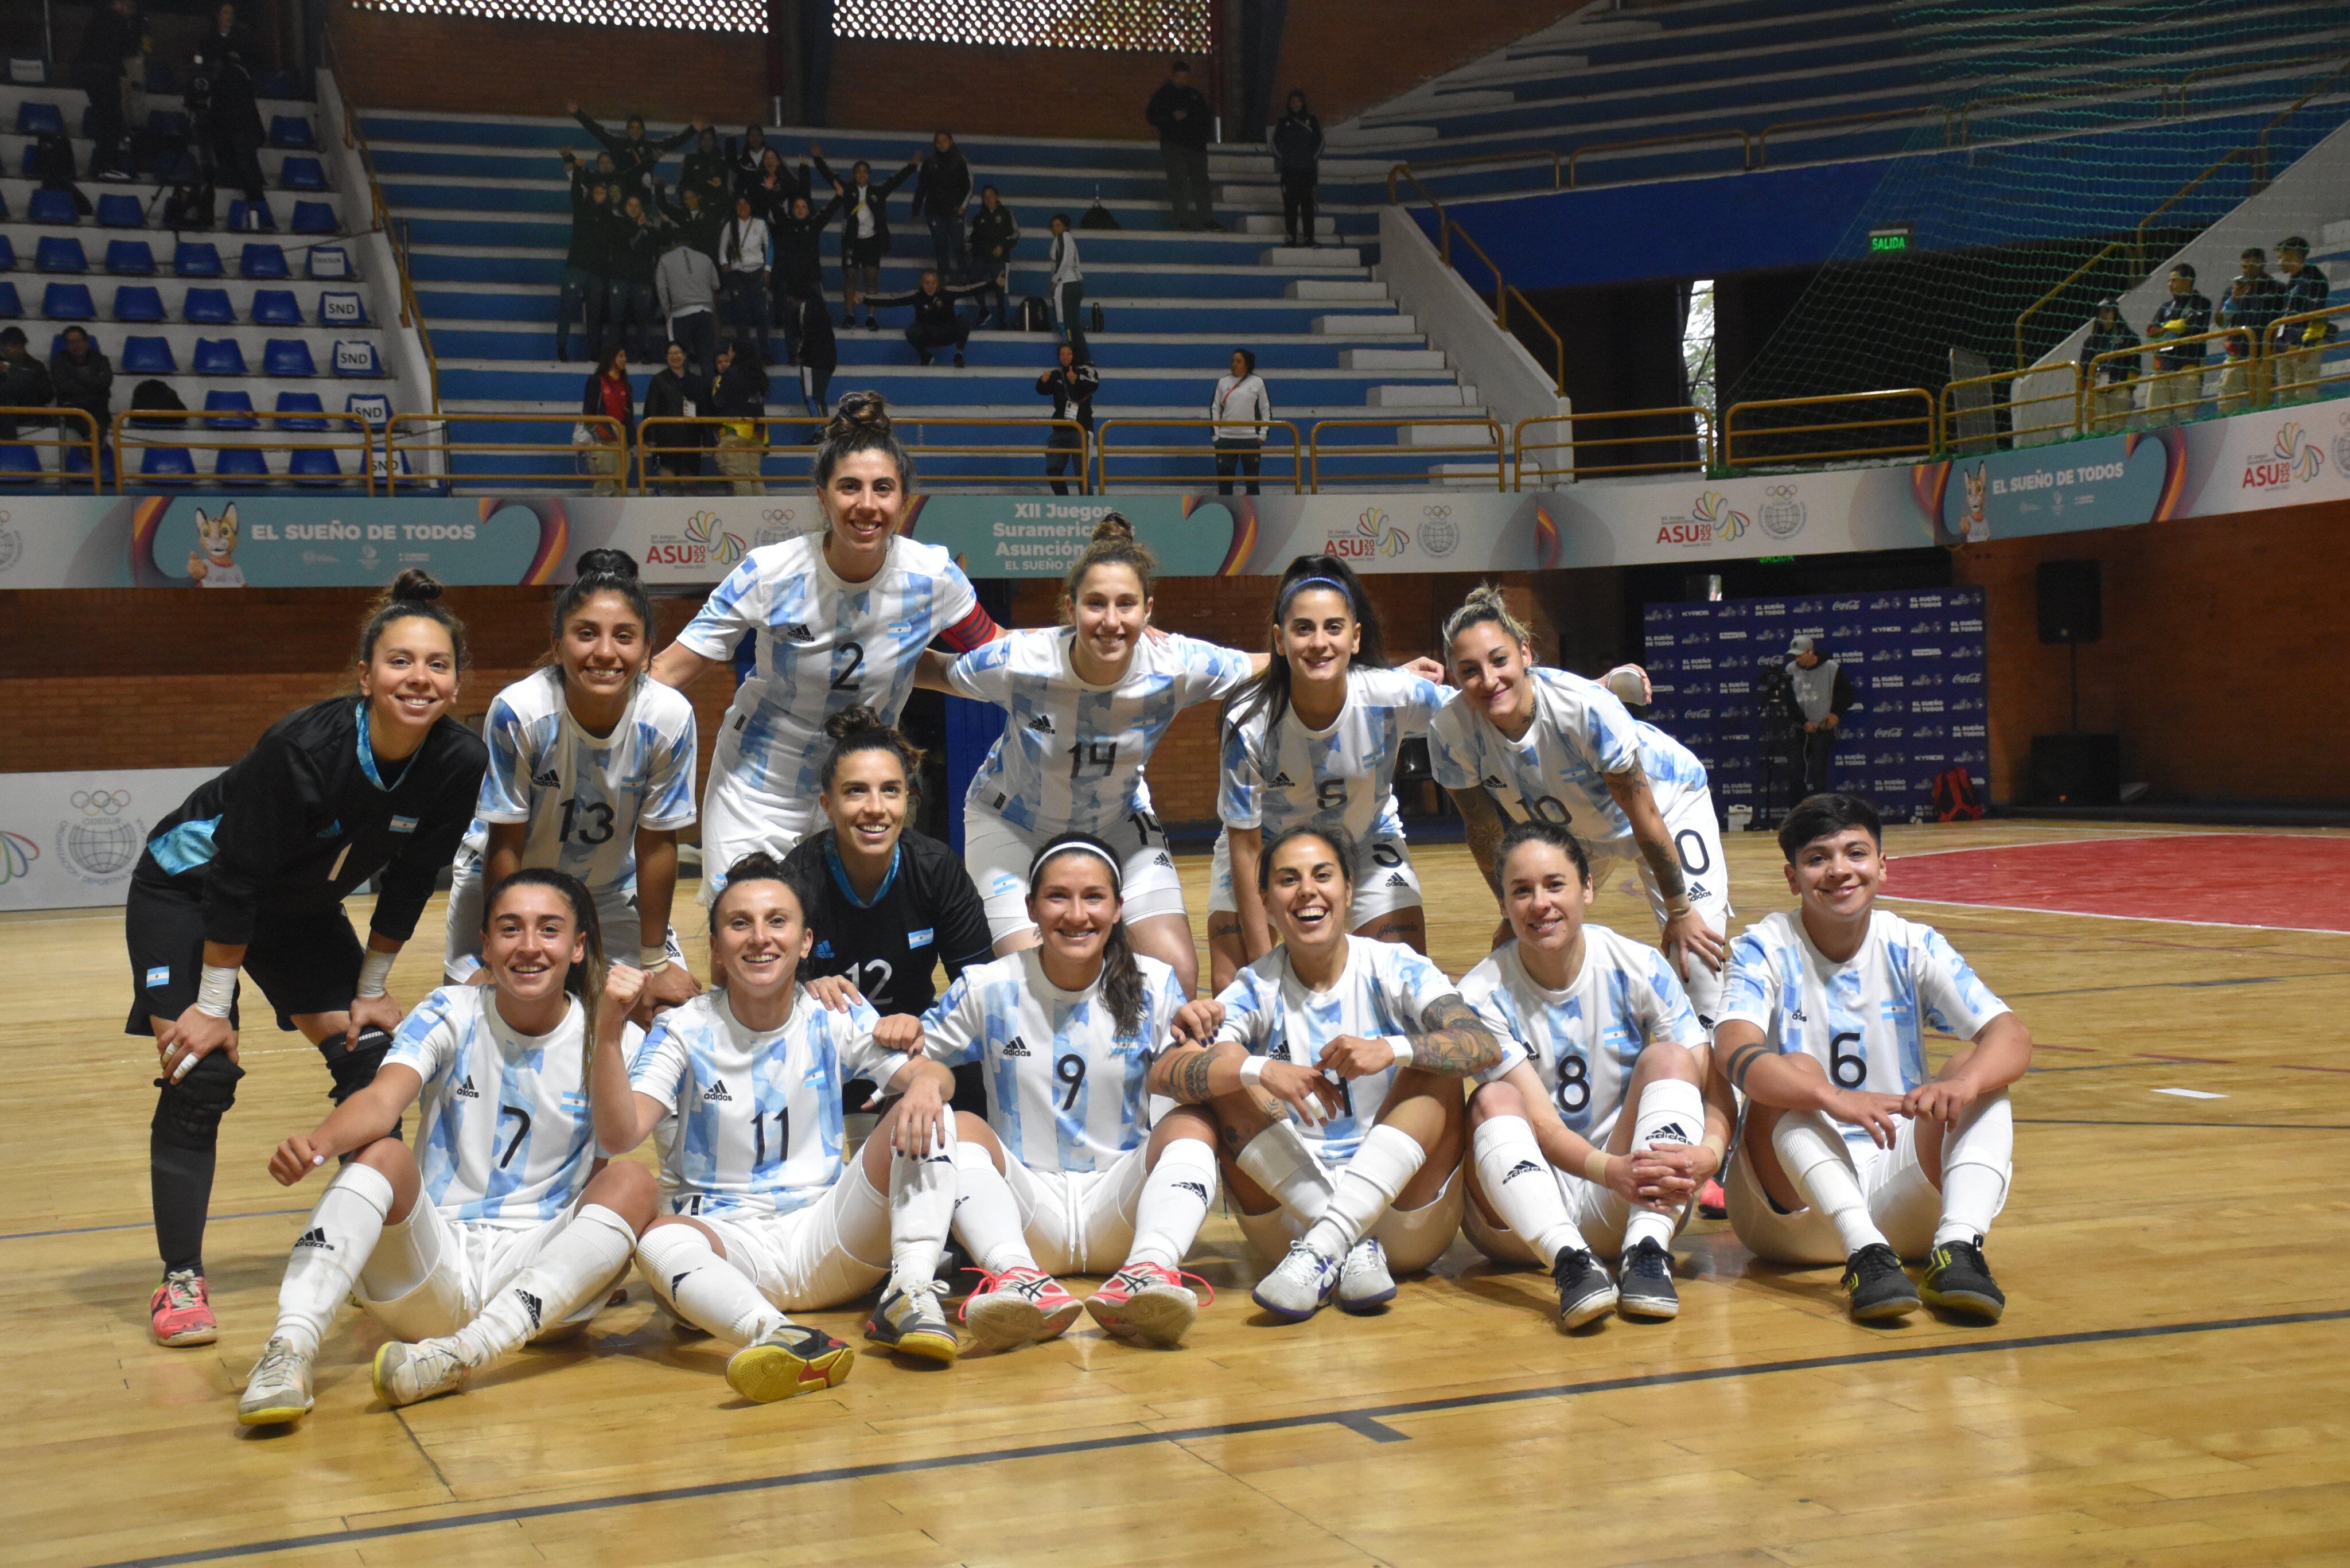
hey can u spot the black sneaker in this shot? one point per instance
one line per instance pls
(1879, 1286)
(1958, 1280)
(1585, 1290)
(1645, 1283)
(958, 359)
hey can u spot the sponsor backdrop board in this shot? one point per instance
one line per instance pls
(1916, 659)
(69, 840)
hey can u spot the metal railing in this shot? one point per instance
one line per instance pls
(1503, 290)
(1487, 443)
(1483, 160)
(2179, 90)
(707, 454)
(602, 461)
(1905, 434)
(1872, 116)
(1688, 137)
(394, 230)
(1191, 456)
(20, 454)
(2300, 372)
(142, 431)
(1689, 451)
(1955, 410)
(712, 456)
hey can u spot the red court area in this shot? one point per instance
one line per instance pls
(2216, 878)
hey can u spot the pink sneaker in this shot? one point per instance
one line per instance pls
(1148, 1302)
(1018, 1306)
(181, 1310)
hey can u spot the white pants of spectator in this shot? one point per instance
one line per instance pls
(738, 460)
(605, 460)
(2111, 407)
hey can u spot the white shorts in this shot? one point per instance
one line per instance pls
(1599, 1212)
(833, 1250)
(1902, 1200)
(1412, 1238)
(616, 914)
(1384, 883)
(997, 856)
(738, 817)
(1079, 1222)
(430, 1274)
(1696, 837)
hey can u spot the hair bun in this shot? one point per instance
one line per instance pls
(606, 563)
(857, 413)
(1114, 525)
(415, 586)
(852, 720)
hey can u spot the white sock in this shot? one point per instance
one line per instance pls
(579, 1261)
(334, 1246)
(1174, 1203)
(1389, 1157)
(922, 1208)
(1280, 1161)
(1519, 1182)
(703, 1288)
(1978, 1157)
(1814, 1157)
(986, 1215)
(1671, 1110)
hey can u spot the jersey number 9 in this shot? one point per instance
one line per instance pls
(1070, 1070)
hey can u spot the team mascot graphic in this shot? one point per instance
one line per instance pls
(213, 562)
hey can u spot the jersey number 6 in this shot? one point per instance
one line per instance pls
(1839, 1064)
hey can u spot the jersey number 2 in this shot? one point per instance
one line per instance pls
(846, 679)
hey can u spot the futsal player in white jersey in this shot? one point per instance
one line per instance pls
(840, 618)
(1593, 1133)
(1087, 702)
(1353, 1178)
(592, 772)
(1853, 1149)
(1530, 744)
(1067, 1174)
(497, 1228)
(764, 1215)
(1314, 739)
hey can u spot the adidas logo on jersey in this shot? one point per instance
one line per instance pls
(795, 632)
(1396, 879)
(1042, 723)
(550, 779)
(1161, 859)
(1493, 782)
(717, 1093)
(824, 948)
(1524, 1167)
(1698, 890)
(1671, 1132)
(465, 1091)
(316, 1238)
(1798, 1015)
(1015, 1046)
(533, 1305)
(1277, 1052)
(1194, 1189)
(1283, 781)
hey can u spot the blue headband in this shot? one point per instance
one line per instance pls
(1302, 584)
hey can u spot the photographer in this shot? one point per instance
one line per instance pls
(1823, 694)
(221, 99)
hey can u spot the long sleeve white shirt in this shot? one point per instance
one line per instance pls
(1240, 397)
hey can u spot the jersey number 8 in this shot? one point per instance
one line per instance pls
(1573, 1086)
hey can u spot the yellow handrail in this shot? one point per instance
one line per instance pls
(1762, 141)
(668, 436)
(428, 435)
(1702, 439)
(1503, 291)
(1531, 155)
(1491, 428)
(1746, 147)
(1950, 413)
(87, 446)
(132, 420)
(1733, 457)
(1104, 447)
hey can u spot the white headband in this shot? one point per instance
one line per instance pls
(1080, 845)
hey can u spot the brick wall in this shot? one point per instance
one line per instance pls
(881, 85)
(1348, 55)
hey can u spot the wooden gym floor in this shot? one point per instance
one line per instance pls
(2170, 1385)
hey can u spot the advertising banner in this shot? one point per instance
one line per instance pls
(69, 840)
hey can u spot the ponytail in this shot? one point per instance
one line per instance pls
(1485, 603)
(1114, 545)
(1121, 977)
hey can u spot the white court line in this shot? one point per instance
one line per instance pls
(2192, 1093)
(2096, 914)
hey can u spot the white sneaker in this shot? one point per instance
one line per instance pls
(1298, 1284)
(1364, 1283)
(404, 1373)
(278, 1392)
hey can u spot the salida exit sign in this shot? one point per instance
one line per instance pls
(1891, 240)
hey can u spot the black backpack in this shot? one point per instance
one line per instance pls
(1036, 316)
(192, 206)
(1954, 797)
(157, 396)
(53, 162)
(1098, 217)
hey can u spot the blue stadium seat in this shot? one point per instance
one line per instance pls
(218, 357)
(315, 218)
(291, 131)
(168, 124)
(262, 261)
(207, 307)
(275, 307)
(373, 407)
(137, 302)
(78, 460)
(60, 252)
(18, 461)
(167, 465)
(286, 357)
(7, 253)
(52, 208)
(68, 302)
(302, 175)
(292, 404)
(10, 306)
(328, 262)
(39, 120)
(335, 309)
(233, 411)
(251, 218)
(129, 258)
(197, 258)
(316, 464)
(355, 357)
(240, 463)
(117, 211)
(4, 206)
(148, 356)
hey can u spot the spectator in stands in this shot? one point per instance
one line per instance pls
(2114, 391)
(1179, 114)
(2177, 385)
(814, 352)
(686, 287)
(82, 378)
(797, 238)
(994, 234)
(106, 67)
(709, 170)
(2254, 301)
(942, 191)
(220, 94)
(606, 393)
(745, 255)
(864, 230)
(2300, 345)
(1066, 287)
(679, 391)
(1071, 383)
(1824, 693)
(738, 392)
(771, 187)
(1297, 158)
(694, 221)
(24, 381)
(635, 155)
(748, 153)
(1241, 410)
(587, 275)
(936, 325)
(630, 314)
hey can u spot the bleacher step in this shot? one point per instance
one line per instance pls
(1422, 395)
(1355, 290)
(1312, 256)
(1325, 226)
(1392, 359)
(1396, 326)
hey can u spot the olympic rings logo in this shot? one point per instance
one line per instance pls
(1436, 511)
(1780, 493)
(100, 801)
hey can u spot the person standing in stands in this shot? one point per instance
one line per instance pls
(1297, 158)
(586, 280)
(686, 286)
(708, 169)
(942, 191)
(636, 257)
(1824, 692)
(738, 394)
(2300, 345)
(748, 154)
(2254, 302)
(1241, 411)
(1068, 286)
(796, 235)
(745, 257)
(815, 352)
(1179, 111)
(634, 154)
(2176, 386)
(220, 90)
(2113, 393)
(864, 230)
(111, 45)
(771, 187)
(82, 378)
(694, 221)
(936, 323)
(1071, 384)
(679, 391)
(994, 232)
(24, 382)
(606, 394)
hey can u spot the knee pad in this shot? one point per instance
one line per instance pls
(189, 1110)
(353, 1058)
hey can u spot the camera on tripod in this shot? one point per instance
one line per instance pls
(1774, 695)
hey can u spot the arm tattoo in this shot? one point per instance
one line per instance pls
(1454, 1043)
(1664, 862)
(1187, 1077)
(1741, 1062)
(1482, 821)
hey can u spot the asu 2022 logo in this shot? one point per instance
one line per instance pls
(2294, 457)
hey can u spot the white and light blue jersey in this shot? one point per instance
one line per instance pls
(584, 796)
(1065, 1086)
(1583, 1042)
(755, 1122)
(1071, 755)
(1385, 989)
(1864, 1020)
(507, 1139)
(1278, 775)
(823, 644)
(1557, 772)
